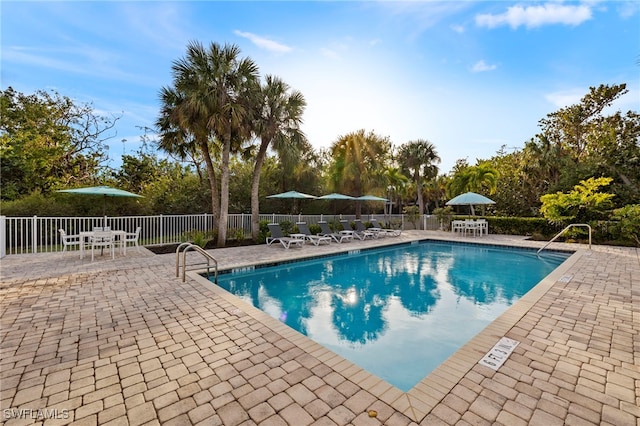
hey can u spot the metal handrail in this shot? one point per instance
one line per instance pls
(562, 232)
(185, 247)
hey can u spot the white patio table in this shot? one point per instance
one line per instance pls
(85, 237)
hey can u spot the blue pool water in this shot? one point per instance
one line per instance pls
(398, 312)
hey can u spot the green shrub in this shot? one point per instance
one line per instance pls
(314, 228)
(445, 216)
(264, 232)
(200, 238)
(628, 223)
(531, 226)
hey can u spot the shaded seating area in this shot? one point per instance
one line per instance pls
(277, 236)
(338, 237)
(315, 239)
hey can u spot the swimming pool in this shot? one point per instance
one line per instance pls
(399, 311)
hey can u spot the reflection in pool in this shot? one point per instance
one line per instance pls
(398, 311)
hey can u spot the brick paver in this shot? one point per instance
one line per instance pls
(125, 342)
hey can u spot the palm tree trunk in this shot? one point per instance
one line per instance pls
(213, 182)
(420, 199)
(224, 192)
(255, 191)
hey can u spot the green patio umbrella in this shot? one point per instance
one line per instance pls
(104, 191)
(335, 196)
(291, 194)
(470, 199)
(294, 195)
(371, 198)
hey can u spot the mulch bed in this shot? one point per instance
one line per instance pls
(171, 248)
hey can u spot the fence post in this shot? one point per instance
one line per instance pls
(3, 236)
(34, 235)
(161, 229)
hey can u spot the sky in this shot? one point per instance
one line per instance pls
(469, 76)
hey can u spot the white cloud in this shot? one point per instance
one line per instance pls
(628, 9)
(482, 66)
(458, 28)
(264, 43)
(565, 98)
(328, 53)
(536, 16)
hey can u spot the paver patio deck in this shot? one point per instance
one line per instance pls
(124, 342)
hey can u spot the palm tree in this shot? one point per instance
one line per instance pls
(278, 121)
(418, 160)
(480, 178)
(183, 127)
(215, 88)
(395, 181)
(357, 163)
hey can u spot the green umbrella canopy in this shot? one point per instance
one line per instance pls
(469, 199)
(371, 198)
(105, 191)
(335, 196)
(291, 194)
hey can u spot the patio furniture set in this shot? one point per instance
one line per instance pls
(100, 238)
(477, 227)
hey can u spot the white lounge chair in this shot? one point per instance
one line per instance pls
(278, 236)
(360, 235)
(362, 232)
(315, 239)
(336, 236)
(387, 231)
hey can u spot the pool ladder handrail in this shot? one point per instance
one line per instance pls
(562, 232)
(185, 247)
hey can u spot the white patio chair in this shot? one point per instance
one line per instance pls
(131, 238)
(102, 240)
(69, 240)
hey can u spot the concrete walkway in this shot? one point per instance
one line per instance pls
(124, 342)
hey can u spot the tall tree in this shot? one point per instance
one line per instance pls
(357, 163)
(214, 89)
(418, 159)
(47, 141)
(184, 126)
(278, 119)
(575, 128)
(479, 178)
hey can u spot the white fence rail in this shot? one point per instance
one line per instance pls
(19, 235)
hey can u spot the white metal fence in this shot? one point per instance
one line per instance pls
(35, 234)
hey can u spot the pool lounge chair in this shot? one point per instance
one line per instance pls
(278, 236)
(360, 232)
(366, 233)
(337, 237)
(315, 239)
(386, 231)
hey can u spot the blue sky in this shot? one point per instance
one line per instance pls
(469, 76)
